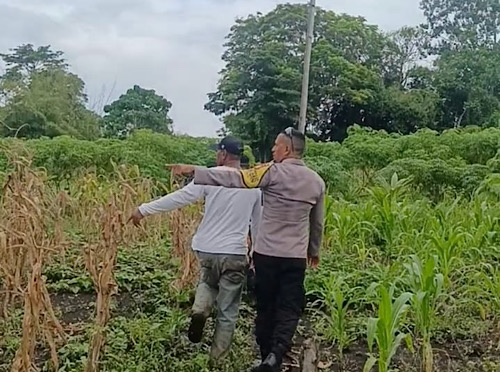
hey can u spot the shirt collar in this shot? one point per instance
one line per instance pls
(293, 161)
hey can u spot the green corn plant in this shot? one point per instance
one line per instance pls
(426, 286)
(329, 229)
(491, 282)
(447, 245)
(385, 329)
(486, 289)
(483, 226)
(364, 254)
(337, 306)
(387, 207)
(344, 225)
(335, 299)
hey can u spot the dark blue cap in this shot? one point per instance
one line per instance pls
(230, 144)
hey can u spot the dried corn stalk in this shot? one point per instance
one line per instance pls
(183, 224)
(134, 190)
(100, 260)
(25, 245)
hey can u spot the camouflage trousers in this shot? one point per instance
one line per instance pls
(222, 278)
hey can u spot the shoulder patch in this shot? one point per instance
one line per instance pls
(253, 177)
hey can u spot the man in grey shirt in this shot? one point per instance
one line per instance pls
(290, 234)
(220, 243)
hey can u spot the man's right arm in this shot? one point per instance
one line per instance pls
(178, 199)
(257, 177)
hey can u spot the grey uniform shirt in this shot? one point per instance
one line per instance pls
(293, 205)
(228, 214)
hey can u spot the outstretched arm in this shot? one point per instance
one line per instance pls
(178, 199)
(189, 194)
(257, 177)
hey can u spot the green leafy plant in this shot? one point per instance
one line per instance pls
(386, 197)
(385, 330)
(426, 285)
(336, 300)
(447, 245)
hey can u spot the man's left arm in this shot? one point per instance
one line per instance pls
(316, 227)
(178, 199)
(189, 194)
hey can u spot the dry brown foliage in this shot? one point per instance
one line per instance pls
(182, 225)
(100, 256)
(100, 260)
(32, 230)
(29, 235)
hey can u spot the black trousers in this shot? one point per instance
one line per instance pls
(279, 291)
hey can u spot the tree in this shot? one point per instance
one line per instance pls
(463, 24)
(406, 111)
(469, 83)
(406, 47)
(41, 98)
(138, 108)
(342, 93)
(25, 60)
(21, 63)
(51, 104)
(258, 93)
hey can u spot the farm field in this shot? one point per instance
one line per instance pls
(409, 278)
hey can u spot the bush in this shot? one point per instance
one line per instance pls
(64, 157)
(459, 159)
(331, 171)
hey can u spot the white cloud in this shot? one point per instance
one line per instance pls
(171, 46)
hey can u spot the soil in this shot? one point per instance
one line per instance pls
(79, 308)
(73, 308)
(481, 355)
(477, 355)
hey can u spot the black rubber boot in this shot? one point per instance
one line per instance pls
(195, 333)
(264, 352)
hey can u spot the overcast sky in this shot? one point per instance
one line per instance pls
(172, 46)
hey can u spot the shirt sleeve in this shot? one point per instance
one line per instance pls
(256, 216)
(317, 221)
(257, 177)
(178, 199)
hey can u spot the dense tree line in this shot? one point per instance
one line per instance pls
(442, 74)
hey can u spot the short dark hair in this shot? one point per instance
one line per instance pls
(298, 140)
(234, 156)
(245, 161)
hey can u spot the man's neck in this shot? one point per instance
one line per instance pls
(293, 157)
(233, 164)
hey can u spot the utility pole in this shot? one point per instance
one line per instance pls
(307, 64)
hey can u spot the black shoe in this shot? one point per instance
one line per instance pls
(195, 333)
(264, 353)
(263, 368)
(271, 364)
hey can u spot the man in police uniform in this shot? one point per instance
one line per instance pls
(290, 235)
